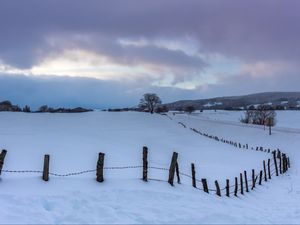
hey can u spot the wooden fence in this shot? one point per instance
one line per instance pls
(275, 166)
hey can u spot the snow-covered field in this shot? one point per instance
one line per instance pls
(74, 141)
(285, 119)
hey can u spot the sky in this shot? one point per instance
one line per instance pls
(102, 54)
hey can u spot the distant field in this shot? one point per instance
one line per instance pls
(287, 119)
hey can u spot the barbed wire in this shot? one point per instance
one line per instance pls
(121, 167)
(235, 144)
(22, 171)
(157, 168)
(72, 173)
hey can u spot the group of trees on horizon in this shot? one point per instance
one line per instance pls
(8, 106)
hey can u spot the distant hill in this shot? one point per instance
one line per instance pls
(279, 100)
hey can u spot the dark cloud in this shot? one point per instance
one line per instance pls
(251, 30)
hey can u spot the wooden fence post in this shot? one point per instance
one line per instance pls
(269, 169)
(235, 186)
(2, 157)
(280, 162)
(260, 177)
(177, 173)
(275, 162)
(46, 168)
(288, 162)
(193, 175)
(145, 163)
(253, 179)
(284, 163)
(246, 181)
(270, 121)
(205, 186)
(241, 181)
(100, 166)
(227, 188)
(172, 168)
(218, 192)
(265, 170)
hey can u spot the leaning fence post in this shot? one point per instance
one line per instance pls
(235, 186)
(2, 157)
(193, 175)
(172, 168)
(265, 170)
(275, 162)
(205, 186)
(100, 166)
(269, 169)
(246, 181)
(253, 179)
(227, 188)
(177, 173)
(46, 168)
(260, 177)
(145, 163)
(241, 181)
(218, 191)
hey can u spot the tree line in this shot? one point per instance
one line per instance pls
(8, 106)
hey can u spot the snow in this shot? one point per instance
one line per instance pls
(209, 104)
(285, 119)
(74, 141)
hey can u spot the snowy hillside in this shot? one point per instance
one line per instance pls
(284, 119)
(74, 141)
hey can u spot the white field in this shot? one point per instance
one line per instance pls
(74, 141)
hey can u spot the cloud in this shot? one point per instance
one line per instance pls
(265, 76)
(77, 91)
(163, 45)
(252, 30)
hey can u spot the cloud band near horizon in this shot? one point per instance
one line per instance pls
(179, 49)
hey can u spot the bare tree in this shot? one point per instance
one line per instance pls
(149, 102)
(263, 115)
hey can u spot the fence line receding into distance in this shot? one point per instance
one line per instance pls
(280, 165)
